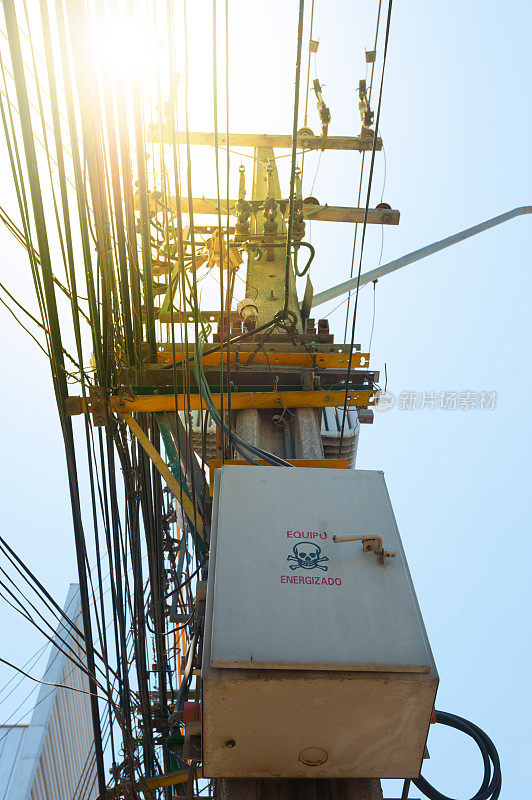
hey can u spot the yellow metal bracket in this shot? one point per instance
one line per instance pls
(164, 471)
(320, 360)
(157, 782)
(241, 400)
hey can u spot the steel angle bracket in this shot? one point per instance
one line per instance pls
(95, 403)
(338, 359)
(316, 398)
(241, 400)
(97, 406)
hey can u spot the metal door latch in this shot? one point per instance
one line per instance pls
(370, 543)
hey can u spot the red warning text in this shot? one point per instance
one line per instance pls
(314, 580)
(306, 535)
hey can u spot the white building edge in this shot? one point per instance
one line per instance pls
(52, 757)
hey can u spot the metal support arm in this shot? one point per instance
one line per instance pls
(172, 482)
(416, 255)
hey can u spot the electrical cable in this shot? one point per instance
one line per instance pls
(373, 317)
(187, 676)
(48, 600)
(181, 586)
(219, 217)
(58, 378)
(107, 319)
(188, 455)
(244, 448)
(362, 168)
(17, 562)
(19, 720)
(102, 629)
(364, 228)
(308, 86)
(33, 660)
(42, 699)
(296, 246)
(21, 609)
(46, 683)
(490, 787)
(230, 283)
(316, 175)
(190, 201)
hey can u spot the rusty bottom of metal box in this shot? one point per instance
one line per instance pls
(308, 724)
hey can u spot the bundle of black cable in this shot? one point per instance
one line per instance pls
(490, 787)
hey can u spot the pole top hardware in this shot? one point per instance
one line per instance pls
(323, 110)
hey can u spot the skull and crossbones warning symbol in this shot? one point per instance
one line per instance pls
(307, 555)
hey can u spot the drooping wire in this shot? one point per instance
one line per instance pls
(33, 658)
(45, 683)
(491, 785)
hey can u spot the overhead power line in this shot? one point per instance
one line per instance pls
(364, 227)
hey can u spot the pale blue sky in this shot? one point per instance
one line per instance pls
(456, 123)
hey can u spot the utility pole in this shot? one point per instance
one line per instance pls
(265, 285)
(283, 376)
(298, 435)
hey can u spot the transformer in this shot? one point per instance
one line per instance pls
(316, 662)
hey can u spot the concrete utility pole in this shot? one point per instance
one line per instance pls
(265, 284)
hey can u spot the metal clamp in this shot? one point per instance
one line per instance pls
(371, 543)
(97, 405)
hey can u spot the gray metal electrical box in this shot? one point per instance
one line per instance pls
(316, 662)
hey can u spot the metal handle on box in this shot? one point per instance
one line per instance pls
(370, 543)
